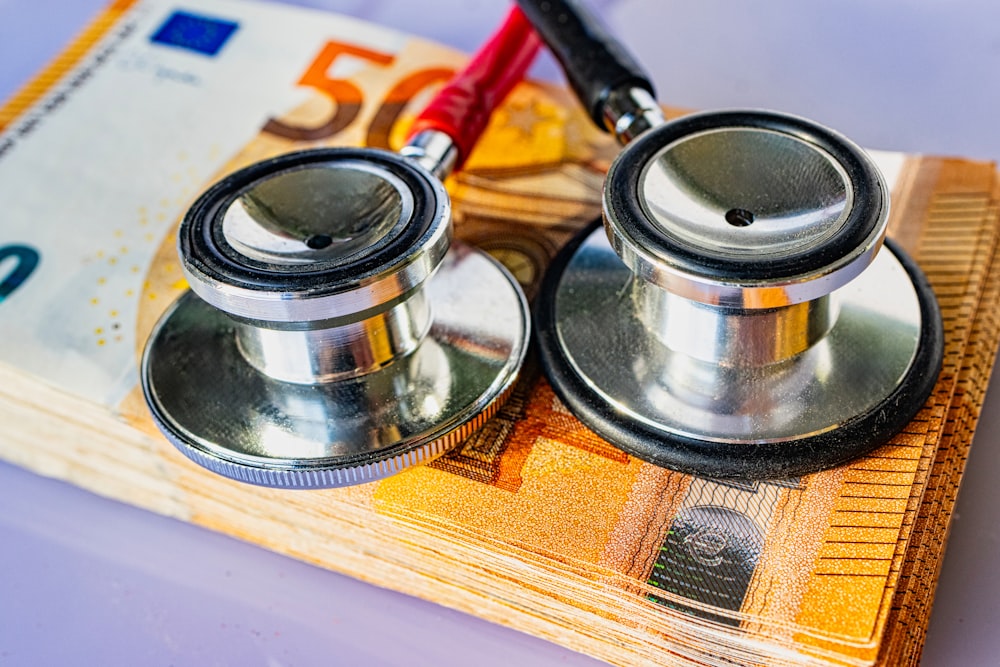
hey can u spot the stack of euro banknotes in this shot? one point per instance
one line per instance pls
(534, 522)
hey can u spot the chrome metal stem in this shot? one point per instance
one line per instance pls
(323, 355)
(433, 150)
(630, 112)
(732, 337)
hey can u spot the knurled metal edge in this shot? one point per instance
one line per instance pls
(334, 476)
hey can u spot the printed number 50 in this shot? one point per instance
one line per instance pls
(348, 98)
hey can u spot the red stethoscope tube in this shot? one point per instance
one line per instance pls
(462, 108)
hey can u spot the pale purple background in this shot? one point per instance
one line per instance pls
(84, 580)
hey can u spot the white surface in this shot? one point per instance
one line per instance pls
(918, 76)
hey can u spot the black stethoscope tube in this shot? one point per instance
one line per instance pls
(598, 66)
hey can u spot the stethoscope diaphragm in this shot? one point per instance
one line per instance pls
(334, 334)
(735, 317)
(306, 368)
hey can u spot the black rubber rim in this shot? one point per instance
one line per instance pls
(207, 251)
(622, 196)
(773, 460)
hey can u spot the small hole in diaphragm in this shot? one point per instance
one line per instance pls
(739, 217)
(318, 241)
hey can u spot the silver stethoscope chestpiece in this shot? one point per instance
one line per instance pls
(333, 334)
(735, 317)
(745, 209)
